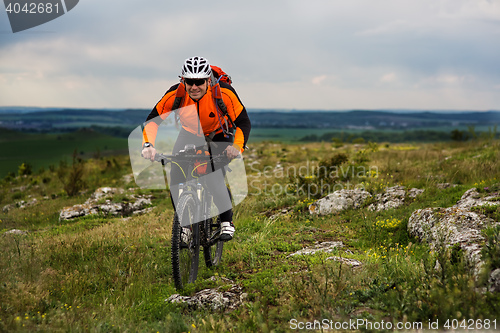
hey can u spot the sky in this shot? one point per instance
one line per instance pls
(281, 54)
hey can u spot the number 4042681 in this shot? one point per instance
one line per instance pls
(32, 8)
(471, 324)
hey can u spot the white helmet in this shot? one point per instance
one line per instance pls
(196, 68)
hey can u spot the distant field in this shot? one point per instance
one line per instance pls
(285, 135)
(43, 150)
(294, 135)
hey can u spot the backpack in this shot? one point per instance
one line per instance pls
(218, 75)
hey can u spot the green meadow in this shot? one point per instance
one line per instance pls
(42, 151)
(113, 274)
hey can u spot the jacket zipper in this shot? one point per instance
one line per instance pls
(198, 111)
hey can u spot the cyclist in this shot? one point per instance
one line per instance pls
(197, 80)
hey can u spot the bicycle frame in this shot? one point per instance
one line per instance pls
(193, 193)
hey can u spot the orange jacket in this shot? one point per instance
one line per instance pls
(204, 109)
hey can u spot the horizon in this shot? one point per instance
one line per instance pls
(30, 109)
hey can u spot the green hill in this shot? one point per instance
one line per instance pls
(104, 273)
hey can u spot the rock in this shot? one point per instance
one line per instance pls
(320, 247)
(6, 208)
(494, 281)
(132, 205)
(472, 198)
(338, 201)
(392, 198)
(20, 204)
(19, 189)
(449, 226)
(456, 225)
(212, 299)
(414, 192)
(68, 213)
(347, 261)
(16, 232)
(23, 204)
(443, 186)
(104, 192)
(113, 208)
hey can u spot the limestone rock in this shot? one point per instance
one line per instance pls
(69, 213)
(443, 186)
(20, 204)
(472, 198)
(414, 192)
(100, 202)
(494, 281)
(104, 192)
(347, 261)
(16, 232)
(212, 299)
(320, 247)
(393, 197)
(23, 204)
(338, 201)
(454, 225)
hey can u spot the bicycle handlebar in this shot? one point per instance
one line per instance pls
(182, 156)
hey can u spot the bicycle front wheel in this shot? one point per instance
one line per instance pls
(185, 242)
(212, 251)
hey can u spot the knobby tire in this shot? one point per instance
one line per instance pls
(212, 254)
(185, 258)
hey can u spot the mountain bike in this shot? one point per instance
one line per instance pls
(193, 223)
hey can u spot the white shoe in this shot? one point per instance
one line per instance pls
(186, 235)
(227, 231)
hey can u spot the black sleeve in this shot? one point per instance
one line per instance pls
(243, 123)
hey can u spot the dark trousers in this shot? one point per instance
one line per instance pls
(215, 185)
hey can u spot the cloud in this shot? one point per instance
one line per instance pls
(318, 79)
(386, 28)
(448, 80)
(389, 77)
(279, 53)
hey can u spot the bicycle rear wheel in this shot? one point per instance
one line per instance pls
(185, 254)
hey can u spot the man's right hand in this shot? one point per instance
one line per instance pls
(149, 153)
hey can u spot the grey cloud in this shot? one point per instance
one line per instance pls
(352, 44)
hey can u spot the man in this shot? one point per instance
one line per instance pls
(232, 130)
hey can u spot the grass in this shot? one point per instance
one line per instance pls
(113, 274)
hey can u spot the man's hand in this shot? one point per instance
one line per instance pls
(232, 152)
(149, 153)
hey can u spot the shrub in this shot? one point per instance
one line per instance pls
(72, 177)
(25, 169)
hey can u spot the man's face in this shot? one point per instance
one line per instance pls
(196, 88)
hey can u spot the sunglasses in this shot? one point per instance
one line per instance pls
(195, 82)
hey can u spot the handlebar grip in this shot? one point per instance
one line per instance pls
(159, 158)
